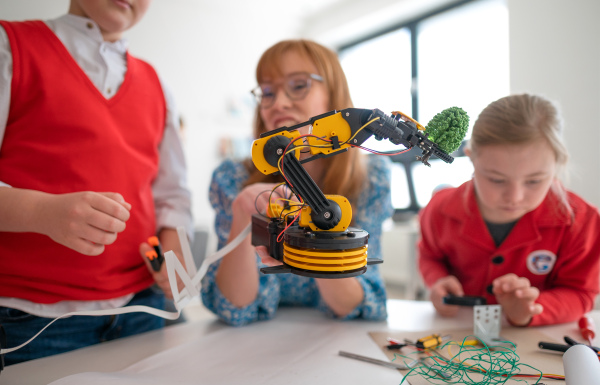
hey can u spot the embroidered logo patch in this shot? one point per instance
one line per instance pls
(541, 262)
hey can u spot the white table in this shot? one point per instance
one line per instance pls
(351, 336)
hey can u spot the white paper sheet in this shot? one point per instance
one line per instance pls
(302, 351)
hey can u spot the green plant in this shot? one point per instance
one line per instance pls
(448, 128)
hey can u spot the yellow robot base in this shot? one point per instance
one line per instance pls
(324, 254)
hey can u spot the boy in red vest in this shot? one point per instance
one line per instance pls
(90, 166)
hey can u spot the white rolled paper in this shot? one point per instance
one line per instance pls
(581, 366)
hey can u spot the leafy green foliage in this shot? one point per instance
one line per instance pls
(448, 128)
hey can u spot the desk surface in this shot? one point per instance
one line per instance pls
(117, 355)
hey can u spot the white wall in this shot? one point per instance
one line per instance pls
(555, 51)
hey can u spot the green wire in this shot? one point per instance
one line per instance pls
(496, 365)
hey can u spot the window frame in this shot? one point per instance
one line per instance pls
(408, 159)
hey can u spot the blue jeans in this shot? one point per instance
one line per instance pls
(77, 331)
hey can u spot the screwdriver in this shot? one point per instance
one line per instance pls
(586, 328)
(570, 341)
(430, 341)
(156, 258)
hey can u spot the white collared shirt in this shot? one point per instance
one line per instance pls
(105, 64)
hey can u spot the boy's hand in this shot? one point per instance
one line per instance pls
(83, 221)
(517, 297)
(440, 289)
(169, 241)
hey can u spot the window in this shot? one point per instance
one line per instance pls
(463, 58)
(456, 56)
(380, 77)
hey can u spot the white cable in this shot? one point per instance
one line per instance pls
(174, 267)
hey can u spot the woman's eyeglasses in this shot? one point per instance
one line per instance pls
(295, 86)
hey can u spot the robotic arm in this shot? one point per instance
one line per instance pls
(321, 244)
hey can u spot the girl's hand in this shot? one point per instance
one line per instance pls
(440, 289)
(517, 297)
(83, 221)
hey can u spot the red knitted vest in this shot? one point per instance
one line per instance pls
(63, 136)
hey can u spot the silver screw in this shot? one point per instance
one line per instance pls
(279, 151)
(327, 215)
(347, 114)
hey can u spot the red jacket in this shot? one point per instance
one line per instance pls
(63, 136)
(558, 252)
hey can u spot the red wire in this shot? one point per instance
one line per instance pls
(381, 153)
(286, 227)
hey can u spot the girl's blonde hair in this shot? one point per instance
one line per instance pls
(523, 119)
(344, 174)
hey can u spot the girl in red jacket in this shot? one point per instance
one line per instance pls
(513, 234)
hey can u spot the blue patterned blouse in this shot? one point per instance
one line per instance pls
(373, 207)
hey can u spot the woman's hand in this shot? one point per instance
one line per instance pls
(517, 297)
(266, 258)
(237, 276)
(440, 289)
(255, 198)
